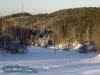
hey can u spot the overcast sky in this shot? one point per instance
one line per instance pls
(43, 6)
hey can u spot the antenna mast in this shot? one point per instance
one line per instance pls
(22, 7)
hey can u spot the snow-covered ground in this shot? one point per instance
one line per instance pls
(48, 63)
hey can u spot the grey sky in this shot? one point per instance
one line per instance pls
(43, 6)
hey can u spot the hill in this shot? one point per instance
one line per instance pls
(67, 25)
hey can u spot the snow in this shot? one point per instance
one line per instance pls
(59, 46)
(72, 46)
(48, 63)
(89, 46)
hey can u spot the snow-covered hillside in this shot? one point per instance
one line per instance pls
(48, 63)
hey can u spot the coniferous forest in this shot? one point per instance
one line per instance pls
(17, 31)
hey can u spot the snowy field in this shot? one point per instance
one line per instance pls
(48, 63)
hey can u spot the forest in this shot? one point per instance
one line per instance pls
(17, 31)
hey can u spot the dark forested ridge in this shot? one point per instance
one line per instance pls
(68, 25)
